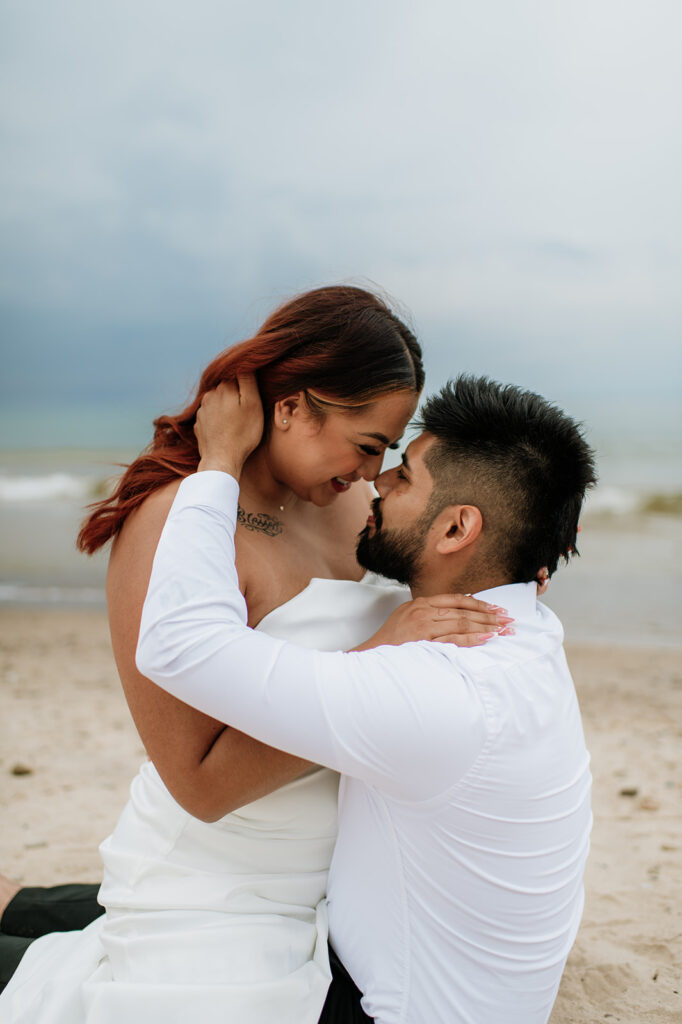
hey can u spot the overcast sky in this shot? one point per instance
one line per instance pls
(509, 171)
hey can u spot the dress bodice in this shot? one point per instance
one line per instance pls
(334, 615)
(327, 615)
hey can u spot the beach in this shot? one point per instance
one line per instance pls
(68, 751)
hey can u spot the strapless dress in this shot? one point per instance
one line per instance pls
(222, 922)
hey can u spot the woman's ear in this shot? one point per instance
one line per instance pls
(286, 408)
(460, 526)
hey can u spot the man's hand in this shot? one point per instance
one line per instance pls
(447, 618)
(229, 425)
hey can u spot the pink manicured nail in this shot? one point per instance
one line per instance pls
(486, 636)
(508, 631)
(504, 619)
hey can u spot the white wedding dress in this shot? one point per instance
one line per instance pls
(221, 923)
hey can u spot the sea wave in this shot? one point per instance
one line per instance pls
(612, 501)
(622, 501)
(49, 487)
(48, 595)
(58, 487)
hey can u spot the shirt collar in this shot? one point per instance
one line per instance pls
(520, 599)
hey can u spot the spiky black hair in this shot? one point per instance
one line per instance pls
(520, 459)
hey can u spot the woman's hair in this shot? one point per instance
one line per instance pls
(341, 341)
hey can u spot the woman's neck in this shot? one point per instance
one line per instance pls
(258, 484)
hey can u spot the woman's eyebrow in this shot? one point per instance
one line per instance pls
(377, 437)
(384, 440)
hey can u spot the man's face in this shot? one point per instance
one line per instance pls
(394, 540)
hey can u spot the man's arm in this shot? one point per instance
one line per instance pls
(400, 718)
(210, 769)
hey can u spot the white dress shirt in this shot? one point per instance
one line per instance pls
(455, 891)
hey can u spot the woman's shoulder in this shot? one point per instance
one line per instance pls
(143, 526)
(159, 500)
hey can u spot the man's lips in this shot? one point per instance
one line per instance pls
(374, 517)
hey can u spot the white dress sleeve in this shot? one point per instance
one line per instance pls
(400, 718)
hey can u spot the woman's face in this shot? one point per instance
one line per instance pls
(320, 458)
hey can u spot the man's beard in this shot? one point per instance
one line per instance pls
(396, 554)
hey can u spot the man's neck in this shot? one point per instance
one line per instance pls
(463, 583)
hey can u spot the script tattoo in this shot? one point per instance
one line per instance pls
(259, 521)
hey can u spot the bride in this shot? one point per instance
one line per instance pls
(215, 875)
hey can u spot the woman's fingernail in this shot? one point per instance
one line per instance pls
(486, 636)
(508, 631)
(504, 619)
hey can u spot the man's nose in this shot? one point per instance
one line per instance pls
(383, 483)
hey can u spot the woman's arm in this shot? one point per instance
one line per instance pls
(209, 768)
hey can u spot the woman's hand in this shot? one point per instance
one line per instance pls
(229, 425)
(448, 618)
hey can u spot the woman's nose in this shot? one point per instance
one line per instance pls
(371, 466)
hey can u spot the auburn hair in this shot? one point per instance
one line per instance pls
(341, 341)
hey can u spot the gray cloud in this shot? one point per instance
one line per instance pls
(509, 171)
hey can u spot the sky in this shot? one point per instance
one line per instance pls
(508, 172)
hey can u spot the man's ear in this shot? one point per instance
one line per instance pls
(285, 409)
(459, 526)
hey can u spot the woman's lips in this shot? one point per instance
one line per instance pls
(340, 485)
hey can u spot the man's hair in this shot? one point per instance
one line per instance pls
(520, 460)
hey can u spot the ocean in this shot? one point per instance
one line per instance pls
(625, 588)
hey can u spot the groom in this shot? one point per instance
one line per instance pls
(455, 890)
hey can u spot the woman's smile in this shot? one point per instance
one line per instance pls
(340, 485)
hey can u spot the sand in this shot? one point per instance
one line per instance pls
(68, 751)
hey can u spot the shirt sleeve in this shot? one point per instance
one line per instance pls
(400, 718)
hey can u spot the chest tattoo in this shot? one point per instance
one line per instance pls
(260, 522)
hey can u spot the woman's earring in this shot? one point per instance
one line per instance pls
(285, 421)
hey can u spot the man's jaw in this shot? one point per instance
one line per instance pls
(393, 554)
